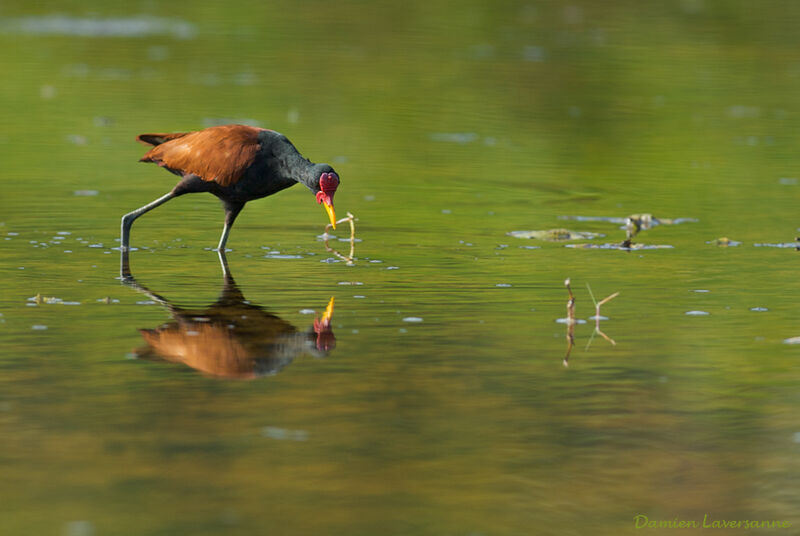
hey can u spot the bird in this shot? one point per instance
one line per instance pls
(237, 164)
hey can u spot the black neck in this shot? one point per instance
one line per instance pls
(289, 163)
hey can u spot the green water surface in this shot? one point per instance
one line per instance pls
(445, 407)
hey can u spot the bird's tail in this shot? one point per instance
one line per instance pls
(158, 139)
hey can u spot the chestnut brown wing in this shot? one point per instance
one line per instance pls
(158, 139)
(219, 154)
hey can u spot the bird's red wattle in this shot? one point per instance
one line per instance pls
(328, 182)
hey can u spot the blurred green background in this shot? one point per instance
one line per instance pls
(450, 126)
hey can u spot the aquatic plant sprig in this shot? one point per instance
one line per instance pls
(597, 306)
(571, 320)
(349, 259)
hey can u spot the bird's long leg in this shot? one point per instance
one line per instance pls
(130, 217)
(231, 211)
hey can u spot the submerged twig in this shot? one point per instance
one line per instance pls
(349, 259)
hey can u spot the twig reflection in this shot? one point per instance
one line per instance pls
(570, 323)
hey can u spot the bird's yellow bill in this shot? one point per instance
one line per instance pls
(331, 214)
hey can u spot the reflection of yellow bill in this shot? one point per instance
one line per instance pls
(328, 314)
(331, 214)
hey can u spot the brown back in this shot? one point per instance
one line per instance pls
(220, 154)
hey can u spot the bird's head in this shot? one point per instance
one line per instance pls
(328, 182)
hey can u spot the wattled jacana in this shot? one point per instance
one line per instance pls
(236, 163)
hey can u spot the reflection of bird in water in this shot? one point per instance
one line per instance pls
(230, 338)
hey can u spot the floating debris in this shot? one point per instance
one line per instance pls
(724, 242)
(102, 121)
(38, 327)
(412, 319)
(740, 111)
(570, 321)
(633, 224)
(623, 246)
(48, 92)
(700, 290)
(39, 299)
(79, 528)
(697, 313)
(85, 193)
(792, 340)
(504, 285)
(77, 139)
(534, 53)
(455, 137)
(555, 235)
(785, 245)
(284, 434)
(759, 309)
(279, 256)
(219, 121)
(136, 26)
(642, 219)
